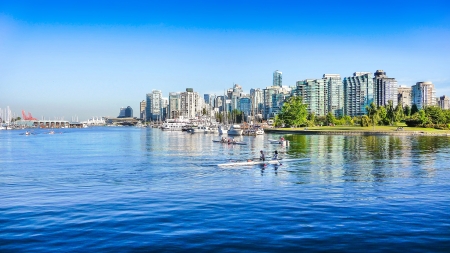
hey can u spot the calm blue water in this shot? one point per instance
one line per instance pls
(129, 189)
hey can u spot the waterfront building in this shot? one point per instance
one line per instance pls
(335, 94)
(257, 101)
(219, 103)
(385, 89)
(245, 105)
(142, 106)
(404, 96)
(128, 112)
(444, 102)
(358, 93)
(174, 105)
(277, 78)
(153, 106)
(423, 94)
(269, 94)
(314, 93)
(164, 108)
(189, 103)
(121, 112)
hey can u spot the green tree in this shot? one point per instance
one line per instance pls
(407, 111)
(398, 114)
(294, 113)
(382, 114)
(348, 120)
(330, 119)
(435, 114)
(372, 113)
(277, 121)
(390, 110)
(365, 121)
(311, 119)
(414, 109)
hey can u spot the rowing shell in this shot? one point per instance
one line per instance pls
(235, 143)
(249, 163)
(257, 162)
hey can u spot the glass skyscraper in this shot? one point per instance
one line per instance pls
(277, 78)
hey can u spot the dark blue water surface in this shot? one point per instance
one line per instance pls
(129, 189)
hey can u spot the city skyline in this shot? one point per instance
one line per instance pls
(62, 60)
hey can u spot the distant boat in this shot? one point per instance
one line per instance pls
(235, 130)
(260, 131)
(173, 125)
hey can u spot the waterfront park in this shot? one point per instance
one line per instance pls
(389, 119)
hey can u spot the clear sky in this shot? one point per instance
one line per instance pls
(89, 58)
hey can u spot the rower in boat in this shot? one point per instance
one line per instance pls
(262, 157)
(275, 155)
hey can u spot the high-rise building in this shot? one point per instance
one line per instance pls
(154, 106)
(256, 96)
(245, 105)
(189, 103)
(128, 112)
(142, 109)
(277, 78)
(315, 95)
(404, 96)
(444, 102)
(335, 94)
(385, 89)
(121, 112)
(358, 93)
(207, 98)
(174, 105)
(423, 94)
(269, 95)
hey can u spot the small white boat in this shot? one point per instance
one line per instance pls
(222, 129)
(235, 130)
(259, 131)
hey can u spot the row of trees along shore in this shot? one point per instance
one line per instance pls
(294, 114)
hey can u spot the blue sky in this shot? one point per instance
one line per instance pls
(89, 58)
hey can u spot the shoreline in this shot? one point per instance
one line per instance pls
(355, 132)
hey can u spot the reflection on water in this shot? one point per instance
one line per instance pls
(140, 190)
(368, 158)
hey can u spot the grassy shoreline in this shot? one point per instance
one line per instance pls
(353, 130)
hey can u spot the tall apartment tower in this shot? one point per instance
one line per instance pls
(257, 101)
(423, 94)
(444, 102)
(189, 103)
(142, 105)
(270, 101)
(277, 78)
(404, 96)
(335, 94)
(385, 89)
(174, 105)
(153, 106)
(358, 93)
(315, 94)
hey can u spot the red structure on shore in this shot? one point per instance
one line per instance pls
(29, 117)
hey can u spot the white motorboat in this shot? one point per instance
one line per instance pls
(235, 130)
(259, 131)
(222, 129)
(172, 125)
